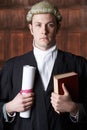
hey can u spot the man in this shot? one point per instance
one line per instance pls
(49, 111)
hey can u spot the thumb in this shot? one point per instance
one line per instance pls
(65, 89)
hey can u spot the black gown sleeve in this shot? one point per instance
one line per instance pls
(5, 87)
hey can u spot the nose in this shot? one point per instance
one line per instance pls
(44, 29)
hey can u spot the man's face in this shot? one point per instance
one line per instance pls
(43, 29)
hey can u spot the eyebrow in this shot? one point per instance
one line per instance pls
(46, 23)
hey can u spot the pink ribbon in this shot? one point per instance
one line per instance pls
(26, 91)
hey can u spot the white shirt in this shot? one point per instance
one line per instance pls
(45, 62)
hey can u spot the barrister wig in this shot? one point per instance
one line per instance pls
(43, 7)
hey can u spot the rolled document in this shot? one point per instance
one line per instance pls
(27, 85)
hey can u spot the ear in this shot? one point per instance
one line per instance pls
(30, 27)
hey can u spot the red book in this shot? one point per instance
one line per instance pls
(70, 81)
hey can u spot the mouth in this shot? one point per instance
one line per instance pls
(44, 38)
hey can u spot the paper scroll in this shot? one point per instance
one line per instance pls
(27, 85)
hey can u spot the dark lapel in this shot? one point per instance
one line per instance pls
(29, 59)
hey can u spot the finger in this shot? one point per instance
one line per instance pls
(54, 95)
(28, 95)
(58, 112)
(64, 89)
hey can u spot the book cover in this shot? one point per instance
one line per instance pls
(70, 81)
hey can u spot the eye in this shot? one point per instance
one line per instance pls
(51, 25)
(38, 25)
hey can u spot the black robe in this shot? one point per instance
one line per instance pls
(43, 116)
